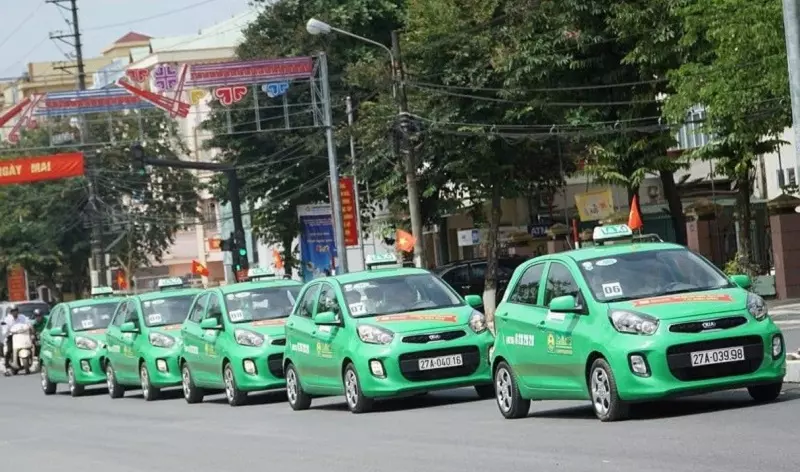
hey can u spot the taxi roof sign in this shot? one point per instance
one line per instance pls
(611, 232)
(256, 273)
(381, 260)
(102, 291)
(171, 282)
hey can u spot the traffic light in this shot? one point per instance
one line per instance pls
(240, 259)
(226, 245)
(137, 159)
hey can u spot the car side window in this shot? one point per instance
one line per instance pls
(119, 316)
(457, 276)
(478, 272)
(214, 308)
(560, 282)
(199, 308)
(131, 315)
(54, 317)
(328, 301)
(306, 306)
(526, 291)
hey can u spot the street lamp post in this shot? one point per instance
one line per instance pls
(317, 27)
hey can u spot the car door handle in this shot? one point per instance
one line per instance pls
(501, 315)
(289, 325)
(541, 325)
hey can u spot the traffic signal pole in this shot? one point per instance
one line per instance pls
(237, 245)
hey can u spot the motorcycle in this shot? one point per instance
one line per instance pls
(22, 358)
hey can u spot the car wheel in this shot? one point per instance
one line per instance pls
(603, 392)
(48, 387)
(510, 402)
(149, 392)
(356, 401)
(485, 391)
(766, 393)
(235, 396)
(298, 399)
(191, 393)
(115, 390)
(75, 389)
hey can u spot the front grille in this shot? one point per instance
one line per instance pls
(275, 365)
(434, 337)
(719, 323)
(279, 342)
(409, 364)
(679, 359)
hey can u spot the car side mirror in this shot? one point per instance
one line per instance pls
(210, 323)
(58, 332)
(327, 318)
(129, 327)
(742, 281)
(474, 300)
(565, 304)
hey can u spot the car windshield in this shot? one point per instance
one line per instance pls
(630, 276)
(400, 294)
(166, 311)
(261, 304)
(28, 308)
(92, 317)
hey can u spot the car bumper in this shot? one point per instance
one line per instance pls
(265, 369)
(88, 365)
(402, 375)
(163, 368)
(671, 373)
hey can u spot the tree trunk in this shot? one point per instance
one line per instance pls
(490, 288)
(675, 206)
(743, 216)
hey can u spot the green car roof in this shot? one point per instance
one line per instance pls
(241, 287)
(158, 295)
(355, 277)
(94, 301)
(617, 248)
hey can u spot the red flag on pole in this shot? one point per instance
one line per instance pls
(405, 241)
(199, 269)
(635, 219)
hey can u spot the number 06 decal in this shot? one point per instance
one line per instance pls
(612, 290)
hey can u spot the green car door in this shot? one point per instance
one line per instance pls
(52, 350)
(209, 360)
(329, 342)
(120, 344)
(300, 329)
(192, 335)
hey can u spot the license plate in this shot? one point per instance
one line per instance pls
(443, 362)
(717, 356)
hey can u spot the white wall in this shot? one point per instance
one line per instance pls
(784, 158)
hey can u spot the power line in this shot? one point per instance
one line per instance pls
(151, 17)
(21, 24)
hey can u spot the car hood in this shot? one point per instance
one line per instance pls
(275, 328)
(169, 330)
(687, 305)
(421, 320)
(98, 335)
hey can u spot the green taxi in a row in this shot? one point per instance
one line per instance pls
(625, 322)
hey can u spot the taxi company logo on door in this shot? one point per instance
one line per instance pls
(324, 350)
(557, 344)
(520, 340)
(301, 347)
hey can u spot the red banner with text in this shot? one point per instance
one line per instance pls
(17, 284)
(40, 168)
(348, 196)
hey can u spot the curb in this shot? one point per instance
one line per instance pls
(792, 372)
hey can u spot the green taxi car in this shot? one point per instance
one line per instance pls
(625, 322)
(143, 340)
(73, 350)
(388, 332)
(233, 339)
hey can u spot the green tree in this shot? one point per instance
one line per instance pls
(738, 73)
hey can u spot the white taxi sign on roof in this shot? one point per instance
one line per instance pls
(102, 291)
(610, 232)
(171, 282)
(256, 273)
(381, 260)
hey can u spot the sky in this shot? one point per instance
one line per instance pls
(102, 22)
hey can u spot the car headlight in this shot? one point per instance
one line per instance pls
(248, 338)
(757, 307)
(88, 344)
(375, 335)
(161, 340)
(632, 322)
(477, 321)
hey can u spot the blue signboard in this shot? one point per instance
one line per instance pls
(317, 243)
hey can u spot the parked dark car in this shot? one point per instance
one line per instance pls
(468, 277)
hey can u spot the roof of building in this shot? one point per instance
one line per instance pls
(133, 37)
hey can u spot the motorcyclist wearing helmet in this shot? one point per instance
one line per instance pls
(13, 318)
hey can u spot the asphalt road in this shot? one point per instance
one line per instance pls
(449, 431)
(788, 318)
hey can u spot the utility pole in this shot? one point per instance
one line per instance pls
(96, 242)
(349, 103)
(408, 152)
(791, 23)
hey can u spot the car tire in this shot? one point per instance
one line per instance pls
(115, 390)
(509, 400)
(603, 392)
(765, 393)
(485, 391)
(75, 389)
(299, 400)
(149, 393)
(48, 387)
(354, 396)
(191, 392)
(235, 396)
